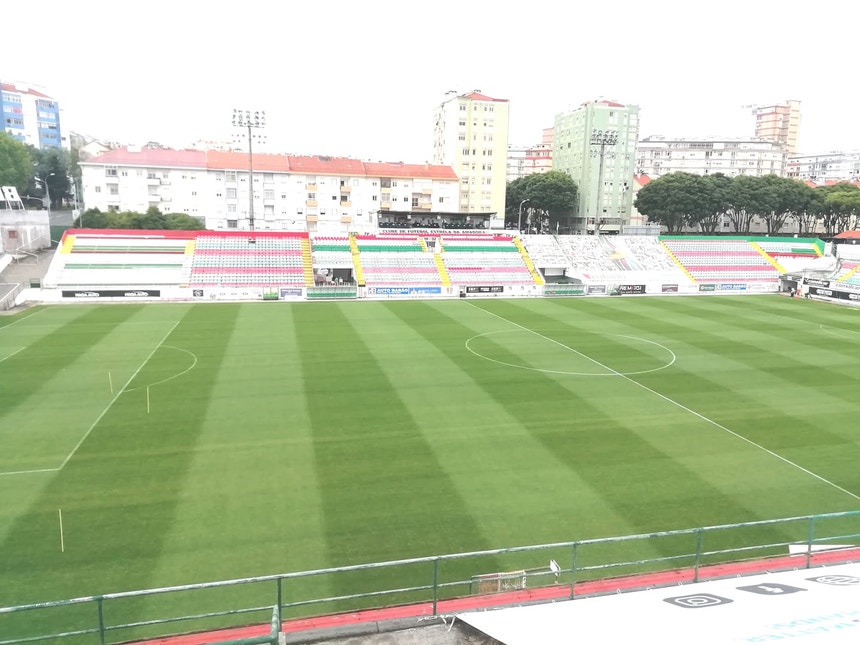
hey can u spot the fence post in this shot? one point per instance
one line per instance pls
(573, 570)
(100, 604)
(698, 561)
(280, 595)
(810, 538)
(435, 584)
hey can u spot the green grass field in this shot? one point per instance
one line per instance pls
(285, 437)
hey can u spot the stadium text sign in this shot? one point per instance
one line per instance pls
(631, 288)
(403, 291)
(496, 288)
(670, 288)
(115, 293)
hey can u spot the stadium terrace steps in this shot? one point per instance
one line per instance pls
(307, 262)
(356, 261)
(528, 261)
(443, 272)
(766, 256)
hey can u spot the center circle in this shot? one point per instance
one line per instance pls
(600, 367)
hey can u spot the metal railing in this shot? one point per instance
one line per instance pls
(429, 581)
(7, 301)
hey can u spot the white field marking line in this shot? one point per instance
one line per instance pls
(679, 405)
(117, 395)
(170, 378)
(566, 372)
(12, 354)
(35, 313)
(834, 331)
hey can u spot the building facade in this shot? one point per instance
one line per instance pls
(779, 123)
(658, 155)
(830, 166)
(603, 173)
(471, 136)
(530, 160)
(31, 116)
(290, 193)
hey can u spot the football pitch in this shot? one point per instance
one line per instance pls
(196, 442)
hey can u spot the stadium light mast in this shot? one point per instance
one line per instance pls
(520, 218)
(250, 120)
(600, 139)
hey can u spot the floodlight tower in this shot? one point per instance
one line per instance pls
(600, 139)
(250, 120)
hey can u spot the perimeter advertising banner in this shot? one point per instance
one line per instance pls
(631, 288)
(597, 288)
(670, 288)
(114, 293)
(403, 291)
(831, 293)
(707, 287)
(497, 288)
(732, 286)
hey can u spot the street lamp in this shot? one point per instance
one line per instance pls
(599, 140)
(248, 119)
(44, 182)
(520, 218)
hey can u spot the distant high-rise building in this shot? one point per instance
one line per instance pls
(596, 145)
(779, 123)
(530, 160)
(658, 155)
(31, 116)
(471, 135)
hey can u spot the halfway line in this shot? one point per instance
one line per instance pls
(673, 402)
(117, 395)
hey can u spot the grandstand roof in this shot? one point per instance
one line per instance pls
(11, 87)
(849, 235)
(308, 165)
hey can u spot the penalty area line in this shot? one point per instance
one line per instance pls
(117, 395)
(677, 404)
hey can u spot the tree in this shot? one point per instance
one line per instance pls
(838, 207)
(552, 192)
(672, 200)
(53, 166)
(15, 169)
(153, 220)
(786, 198)
(713, 200)
(748, 197)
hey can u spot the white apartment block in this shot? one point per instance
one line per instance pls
(658, 155)
(290, 193)
(471, 135)
(528, 160)
(821, 168)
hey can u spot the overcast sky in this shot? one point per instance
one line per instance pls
(361, 79)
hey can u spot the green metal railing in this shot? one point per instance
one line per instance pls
(428, 580)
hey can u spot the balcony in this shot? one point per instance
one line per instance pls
(426, 191)
(345, 219)
(345, 204)
(386, 189)
(345, 188)
(310, 187)
(311, 202)
(165, 181)
(423, 206)
(385, 206)
(312, 218)
(152, 180)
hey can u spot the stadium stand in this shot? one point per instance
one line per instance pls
(132, 259)
(397, 260)
(486, 260)
(237, 259)
(709, 259)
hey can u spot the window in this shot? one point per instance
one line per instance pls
(231, 193)
(334, 198)
(125, 173)
(231, 208)
(232, 223)
(194, 193)
(283, 195)
(374, 198)
(405, 199)
(98, 189)
(110, 171)
(231, 175)
(113, 189)
(268, 194)
(441, 200)
(344, 198)
(312, 195)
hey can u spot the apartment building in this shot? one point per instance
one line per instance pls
(530, 160)
(603, 171)
(291, 193)
(779, 123)
(31, 116)
(658, 155)
(821, 168)
(471, 135)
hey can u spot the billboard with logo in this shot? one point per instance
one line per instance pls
(113, 293)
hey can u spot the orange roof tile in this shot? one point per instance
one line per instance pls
(263, 162)
(399, 169)
(477, 96)
(11, 87)
(642, 180)
(321, 165)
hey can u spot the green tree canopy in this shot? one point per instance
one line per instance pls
(553, 193)
(15, 168)
(52, 166)
(673, 200)
(153, 220)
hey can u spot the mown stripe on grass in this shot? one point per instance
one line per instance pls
(646, 486)
(384, 494)
(727, 381)
(119, 492)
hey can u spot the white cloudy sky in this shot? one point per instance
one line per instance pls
(361, 79)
